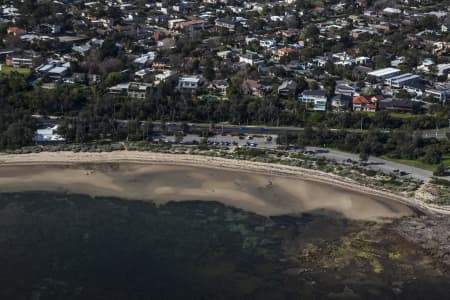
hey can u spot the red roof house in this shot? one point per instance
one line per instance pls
(16, 31)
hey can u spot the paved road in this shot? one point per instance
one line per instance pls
(376, 164)
(226, 128)
(439, 134)
(228, 140)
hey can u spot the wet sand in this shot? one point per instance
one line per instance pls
(268, 190)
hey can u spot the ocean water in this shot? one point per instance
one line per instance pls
(69, 246)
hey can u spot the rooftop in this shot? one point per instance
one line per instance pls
(383, 72)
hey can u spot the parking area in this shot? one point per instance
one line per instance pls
(374, 163)
(255, 141)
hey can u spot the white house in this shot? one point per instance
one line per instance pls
(165, 75)
(251, 58)
(191, 82)
(267, 43)
(315, 100)
(47, 135)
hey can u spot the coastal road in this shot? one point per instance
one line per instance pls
(244, 129)
(272, 130)
(374, 163)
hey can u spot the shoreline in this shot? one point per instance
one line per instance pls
(217, 163)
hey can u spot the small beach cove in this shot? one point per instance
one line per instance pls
(265, 189)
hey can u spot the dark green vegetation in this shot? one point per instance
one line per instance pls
(16, 125)
(401, 145)
(92, 114)
(59, 246)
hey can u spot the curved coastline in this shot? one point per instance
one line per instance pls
(249, 167)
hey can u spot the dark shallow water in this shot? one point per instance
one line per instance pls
(60, 246)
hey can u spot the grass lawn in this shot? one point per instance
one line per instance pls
(416, 163)
(446, 161)
(8, 69)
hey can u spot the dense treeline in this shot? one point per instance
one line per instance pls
(397, 145)
(16, 125)
(90, 113)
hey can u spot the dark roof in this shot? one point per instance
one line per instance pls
(342, 98)
(345, 87)
(314, 93)
(397, 103)
(227, 21)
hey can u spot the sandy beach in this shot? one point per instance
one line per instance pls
(266, 189)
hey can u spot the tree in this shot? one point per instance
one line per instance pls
(312, 33)
(179, 135)
(185, 128)
(441, 170)
(108, 48)
(208, 71)
(329, 85)
(433, 155)
(402, 94)
(313, 85)
(113, 78)
(428, 22)
(364, 151)
(380, 61)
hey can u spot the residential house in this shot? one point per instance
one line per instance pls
(251, 58)
(315, 100)
(401, 80)
(391, 11)
(385, 73)
(377, 98)
(173, 23)
(251, 87)
(227, 24)
(48, 135)
(426, 65)
(285, 52)
(440, 92)
(345, 89)
(287, 88)
(54, 70)
(164, 76)
(24, 60)
(445, 27)
(143, 74)
(443, 69)
(224, 54)
(441, 48)
(192, 25)
(396, 105)
(145, 59)
(16, 31)
(136, 90)
(190, 83)
(341, 102)
(360, 103)
(267, 43)
(220, 87)
(360, 72)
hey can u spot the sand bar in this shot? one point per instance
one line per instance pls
(266, 189)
